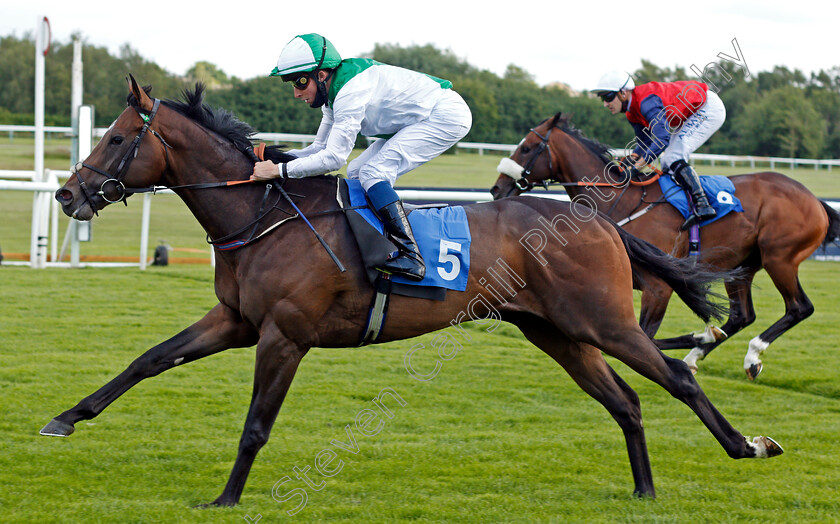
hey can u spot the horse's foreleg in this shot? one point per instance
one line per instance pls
(220, 329)
(590, 371)
(276, 363)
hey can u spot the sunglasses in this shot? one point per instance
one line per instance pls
(609, 96)
(301, 82)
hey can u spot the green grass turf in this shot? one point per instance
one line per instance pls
(501, 434)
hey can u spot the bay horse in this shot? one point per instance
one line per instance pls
(783, 223)
(284, 293)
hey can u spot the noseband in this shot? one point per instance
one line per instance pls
(125, 162)
(523, 184)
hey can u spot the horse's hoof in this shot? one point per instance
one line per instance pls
(215, 504)
(647, 493)
(753, 371)
(766, 447)
(710, 335)
(773, 447)
(56, 428)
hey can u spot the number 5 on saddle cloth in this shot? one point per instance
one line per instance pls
(442, 234)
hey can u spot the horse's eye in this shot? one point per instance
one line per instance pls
(117, 140)
(526, 149)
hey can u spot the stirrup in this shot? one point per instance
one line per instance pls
(405, 266)
(696, 218)
(690, 221)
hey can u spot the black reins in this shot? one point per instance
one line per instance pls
(523, 184)
(227, 242)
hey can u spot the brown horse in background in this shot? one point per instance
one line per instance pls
(568, 282)
(782, 224)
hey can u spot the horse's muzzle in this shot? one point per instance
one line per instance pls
(72, 208)
(64, 196)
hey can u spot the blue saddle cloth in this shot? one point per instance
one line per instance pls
(442, 234)
(719, 189)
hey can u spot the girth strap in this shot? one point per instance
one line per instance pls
(378, 310)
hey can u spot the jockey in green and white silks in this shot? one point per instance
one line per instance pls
(417, 117)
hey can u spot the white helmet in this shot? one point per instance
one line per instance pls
(306, 53)
(614, 81)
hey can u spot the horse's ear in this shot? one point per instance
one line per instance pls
(556, 118)
(139, 93)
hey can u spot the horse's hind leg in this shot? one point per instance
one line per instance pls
(741, 315)
(276, 363)
(590, 371)
(798, 307)
(219, 330)
(655, 297)
(634, 348)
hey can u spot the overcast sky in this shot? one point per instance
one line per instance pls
(550, 39)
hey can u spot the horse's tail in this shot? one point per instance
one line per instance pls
(833, 224)
(690, 281)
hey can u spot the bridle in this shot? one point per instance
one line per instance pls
(125, 162)
(223, 244)
(523, 184)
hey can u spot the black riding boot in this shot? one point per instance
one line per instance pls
(408, 262)
(702, 209)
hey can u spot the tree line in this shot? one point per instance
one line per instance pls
(781, 112)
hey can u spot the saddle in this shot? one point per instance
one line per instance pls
(442, 234)
(719, 189)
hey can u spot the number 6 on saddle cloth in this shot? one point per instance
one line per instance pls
(719, 189)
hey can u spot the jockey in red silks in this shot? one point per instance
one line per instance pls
(671, 120)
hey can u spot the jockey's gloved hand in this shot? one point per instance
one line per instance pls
(628, 166)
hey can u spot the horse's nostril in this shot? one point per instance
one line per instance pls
(64, 196)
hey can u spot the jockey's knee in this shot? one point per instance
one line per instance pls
(370, 178)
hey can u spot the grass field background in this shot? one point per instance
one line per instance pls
(500, 435)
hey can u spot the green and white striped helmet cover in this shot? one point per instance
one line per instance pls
(306, 53)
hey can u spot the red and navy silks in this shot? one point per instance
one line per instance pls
(680, 99)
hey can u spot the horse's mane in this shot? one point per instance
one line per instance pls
(602, 151)
(218, 120)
